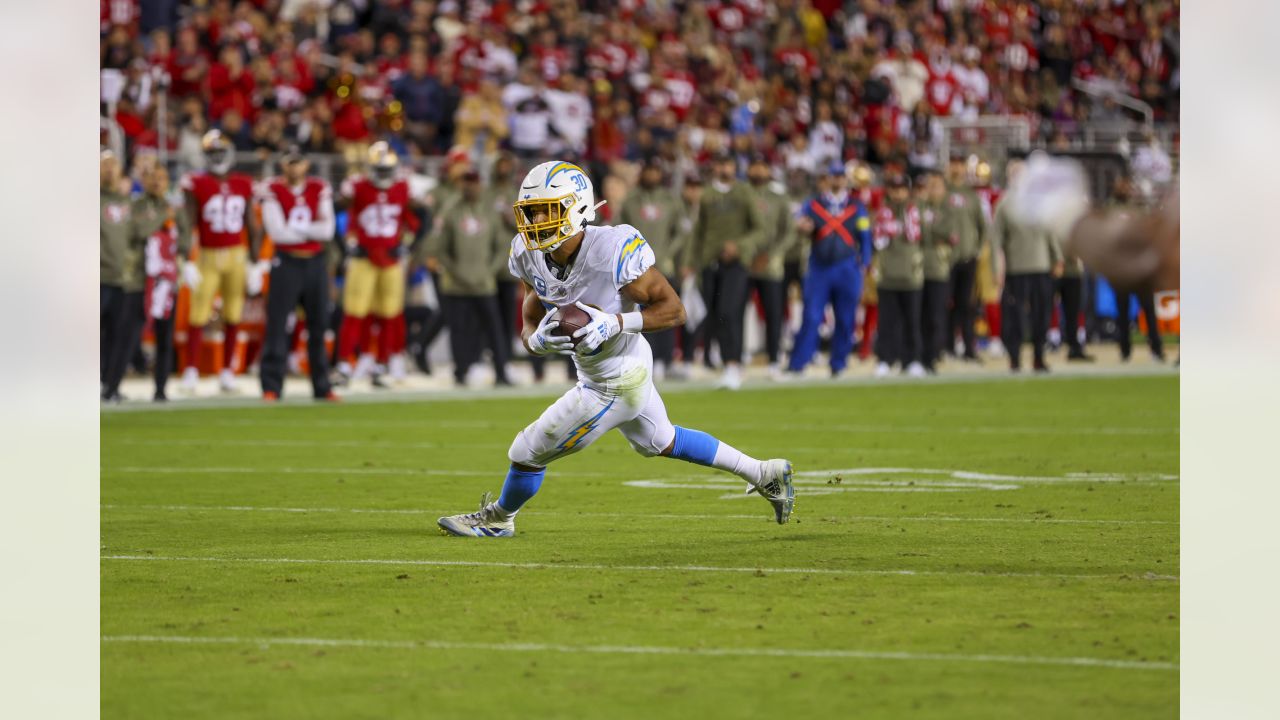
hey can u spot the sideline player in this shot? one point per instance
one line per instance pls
(381, 213)
(565, 262)
(220, 203)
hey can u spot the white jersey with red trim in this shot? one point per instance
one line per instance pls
(608, 259)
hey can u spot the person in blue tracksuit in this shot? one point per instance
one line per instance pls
(839, 229)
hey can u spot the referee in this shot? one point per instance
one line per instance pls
(297, 211)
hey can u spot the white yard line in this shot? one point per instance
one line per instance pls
(625, 568)
(647, 650)
(638, 515)
(495, 471)
(943, 427)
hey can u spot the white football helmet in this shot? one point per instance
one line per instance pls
(556, 200)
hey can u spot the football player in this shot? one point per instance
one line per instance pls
(219, 205)
(381, 214)
(297, 210)
(607, 273)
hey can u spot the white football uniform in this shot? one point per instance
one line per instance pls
(616, 382)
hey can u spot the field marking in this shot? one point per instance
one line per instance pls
(631, 568)
(650, 650)
(380, 444)
(153, 470)
(663, 516)
(808, 428)
(956, 479)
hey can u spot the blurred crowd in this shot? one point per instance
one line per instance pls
(799, 81)
(752, 143)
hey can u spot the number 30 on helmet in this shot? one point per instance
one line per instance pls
(556, 200)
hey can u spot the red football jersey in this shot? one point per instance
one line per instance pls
(871, 198)
(220, 205)
(988, 196)
(379, 217)
(301, 207)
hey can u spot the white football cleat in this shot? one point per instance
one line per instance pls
(489, 521)
(883, 370)
(731, 378)
(190, 379)
(776, 487)
(915, 370)
(365, 367)
(397, 368)
(227, 381)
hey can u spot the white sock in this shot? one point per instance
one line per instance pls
(739, 463)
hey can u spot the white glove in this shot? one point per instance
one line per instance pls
(542, 342)
(603, 326)
(253, 279)
(191, 275)
(1050, 193)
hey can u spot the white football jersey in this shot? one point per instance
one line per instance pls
(609, 258)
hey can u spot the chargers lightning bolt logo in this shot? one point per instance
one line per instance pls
(584, 429)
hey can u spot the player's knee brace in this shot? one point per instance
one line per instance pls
(647, 449)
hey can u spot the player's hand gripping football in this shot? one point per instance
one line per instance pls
(543, 342)
(603, 326)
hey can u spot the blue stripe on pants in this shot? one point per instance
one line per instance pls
(839, 285)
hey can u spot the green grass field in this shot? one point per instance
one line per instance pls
(994, 549)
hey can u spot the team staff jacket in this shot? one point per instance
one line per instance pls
(658, 214)
(897, 237)
(841, 229)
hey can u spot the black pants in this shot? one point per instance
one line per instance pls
(1070, 290)
(664, 342)
(898, 336)
(124, 340)
(963, 276)
(934, 320)
(1026, 299)
(773, 296)
(724, 289)
(792, 273)
(474, 321)
(163, 331)
(1148, 304)
(296, 280)
(110, 305)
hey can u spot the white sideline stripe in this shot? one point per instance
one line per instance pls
(941, 427)
(630, 568)
(648, 650)
(223, 442)
(664, 516)
(812, 477)
(495, 471)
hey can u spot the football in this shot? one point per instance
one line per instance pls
(572, 318)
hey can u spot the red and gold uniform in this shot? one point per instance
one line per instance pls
(375, 279)
(221, 206)
(375, 276)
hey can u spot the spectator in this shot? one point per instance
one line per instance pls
(482, 121)
(421, 97)
(231, 85)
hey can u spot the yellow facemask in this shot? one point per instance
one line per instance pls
(552, 228)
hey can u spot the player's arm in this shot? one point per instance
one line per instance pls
(276, 226)
(661, 304)
(322, 228)
(188, 226)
